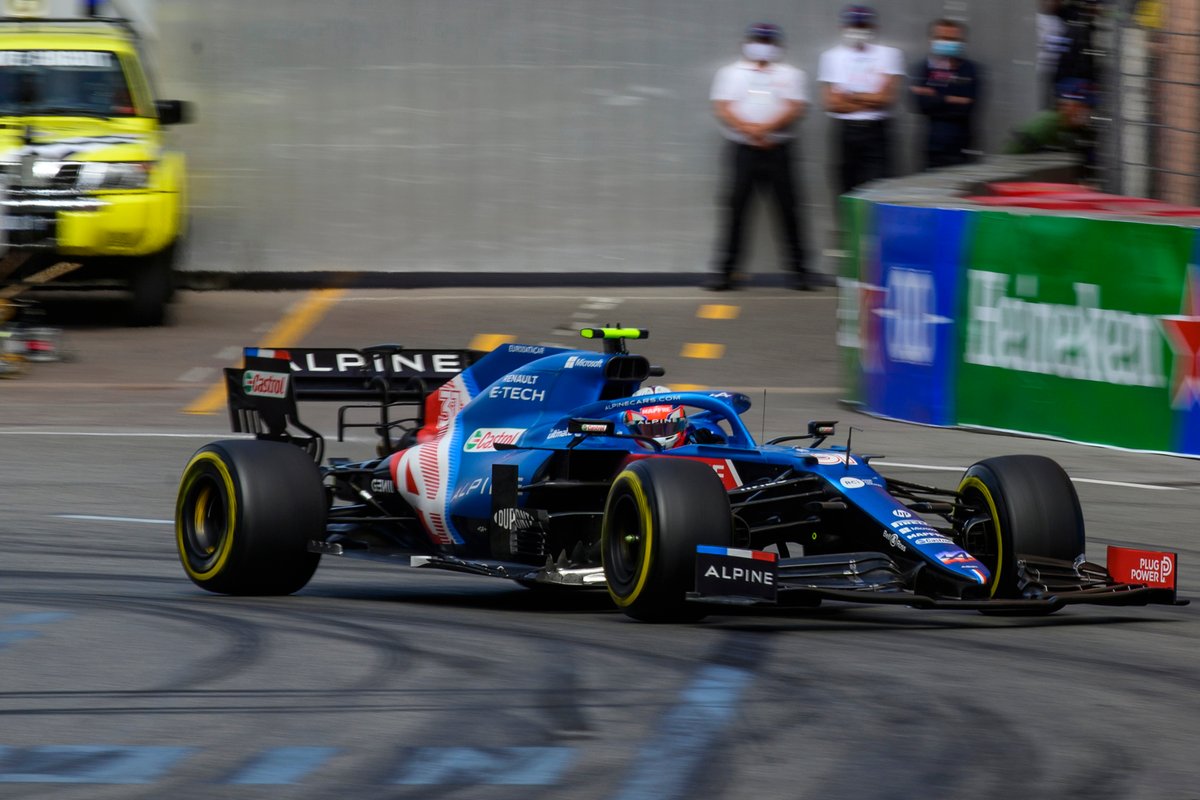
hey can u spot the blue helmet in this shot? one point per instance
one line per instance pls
(857, 16)
(765, 32)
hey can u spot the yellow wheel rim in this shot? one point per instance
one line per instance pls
(978, 485)
(631, 479)
(198, 494)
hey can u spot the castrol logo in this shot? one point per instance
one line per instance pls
(265, 384)
(486, 439)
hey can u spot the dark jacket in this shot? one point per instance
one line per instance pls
(950, 130)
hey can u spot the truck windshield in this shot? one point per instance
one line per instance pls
(63, 82)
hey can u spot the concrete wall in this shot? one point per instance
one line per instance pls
(531, 135)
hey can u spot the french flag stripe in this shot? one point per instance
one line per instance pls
(757, 555)
(260, 352)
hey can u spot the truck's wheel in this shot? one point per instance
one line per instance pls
(1033, 512)
(658, 510)
(245, 513)
(151, 286)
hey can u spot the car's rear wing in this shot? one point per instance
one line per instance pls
(382, 372)
(262, 393)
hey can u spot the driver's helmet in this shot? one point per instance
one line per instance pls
(666, 423)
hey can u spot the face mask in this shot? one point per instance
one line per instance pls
(760, 51)
(856, 36)
(946, 48)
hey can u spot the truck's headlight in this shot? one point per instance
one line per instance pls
(96, 175)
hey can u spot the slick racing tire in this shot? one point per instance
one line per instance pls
(658, 511)
(244, 515)
(1033, 513)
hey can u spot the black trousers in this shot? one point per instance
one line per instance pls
(758, 167)
(864, 149)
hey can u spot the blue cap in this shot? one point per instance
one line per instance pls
(858, 17)
(765, 31)
(1076, 89)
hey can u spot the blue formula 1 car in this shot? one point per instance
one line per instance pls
(557, 467)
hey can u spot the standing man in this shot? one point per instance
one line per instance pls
(757, 101)
(1052, 41)
(945, 89)
(1079, 59)
(861, 83)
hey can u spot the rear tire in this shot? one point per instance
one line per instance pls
(658, 511)
(1034, 513)
(244, 515)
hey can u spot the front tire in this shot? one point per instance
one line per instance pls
(151, 286)
(244, 515)
(1033, 512)
(658, 511)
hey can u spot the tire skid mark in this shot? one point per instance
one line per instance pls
(886, 723)
(671, 762)
(239, 654)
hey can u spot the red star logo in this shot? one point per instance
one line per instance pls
(1183, 332)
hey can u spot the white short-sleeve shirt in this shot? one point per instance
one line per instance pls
(863, 71)
(758, 95)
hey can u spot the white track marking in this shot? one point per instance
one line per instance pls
(196, 375)
(882, 462)
(933, 468)
(422, 296)
(93, 518)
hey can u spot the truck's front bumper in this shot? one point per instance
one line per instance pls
(125, 224)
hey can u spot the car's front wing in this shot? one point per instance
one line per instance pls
(747, 578)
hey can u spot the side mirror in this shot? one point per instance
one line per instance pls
(821, 429)
(173, 112)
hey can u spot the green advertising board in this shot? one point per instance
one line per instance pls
(1061, 328)
(857, 227)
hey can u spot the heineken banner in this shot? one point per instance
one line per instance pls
(1063, 328)
(1083, 329)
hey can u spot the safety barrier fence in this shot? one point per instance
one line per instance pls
(1080, 327)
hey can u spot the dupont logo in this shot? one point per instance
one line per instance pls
(265, 384)
(485, 439)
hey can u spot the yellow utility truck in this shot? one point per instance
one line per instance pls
(88, 174)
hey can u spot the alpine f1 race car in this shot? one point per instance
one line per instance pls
(557, 467)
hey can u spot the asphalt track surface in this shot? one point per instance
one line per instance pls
(119, 679)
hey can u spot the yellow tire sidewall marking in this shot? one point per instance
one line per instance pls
(979, 486)
(639, 493)
(190, 474)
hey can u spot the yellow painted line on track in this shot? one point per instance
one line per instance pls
(488, 342)
(714, 311)
(700, 350)
(301, 319)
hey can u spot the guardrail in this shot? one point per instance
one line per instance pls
(1083, 326)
